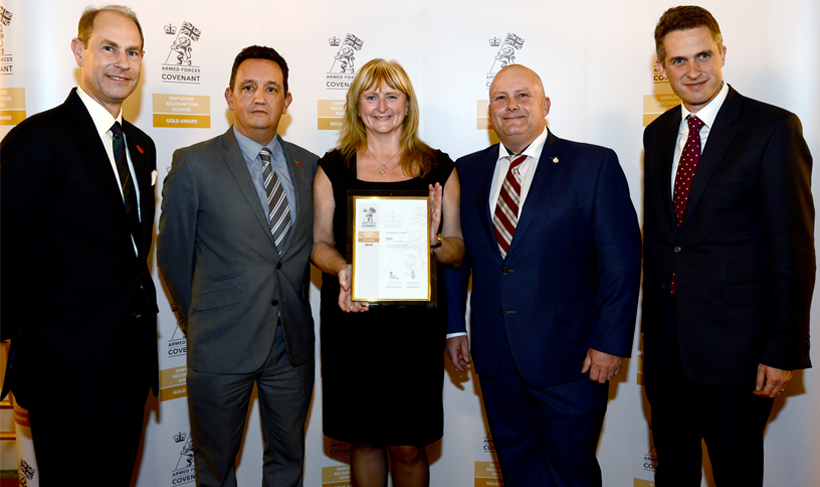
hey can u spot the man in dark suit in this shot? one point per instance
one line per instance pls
(728, 261)
(236, 231)
(553, 241)
(78, 300)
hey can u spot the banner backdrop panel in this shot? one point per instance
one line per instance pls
(596, 59)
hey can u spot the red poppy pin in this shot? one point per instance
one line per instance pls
(140, 149)
(298, 163)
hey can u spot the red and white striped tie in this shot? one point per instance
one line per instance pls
(505, 218)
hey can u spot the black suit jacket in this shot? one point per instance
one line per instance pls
(78, 304)
(743, 257)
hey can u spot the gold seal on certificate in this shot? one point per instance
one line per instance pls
(389, 238)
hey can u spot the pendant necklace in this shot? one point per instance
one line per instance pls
(383, 167)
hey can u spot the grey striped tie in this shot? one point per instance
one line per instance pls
(278, 208)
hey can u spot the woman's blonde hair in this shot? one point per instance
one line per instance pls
(417, 158)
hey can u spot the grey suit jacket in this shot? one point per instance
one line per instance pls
(218, 259)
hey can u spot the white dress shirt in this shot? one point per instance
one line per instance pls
(706, 115)
(102, 122)
(527, 172)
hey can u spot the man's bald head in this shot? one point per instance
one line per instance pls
(518, 106)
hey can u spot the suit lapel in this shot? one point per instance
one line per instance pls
(544, 171)
(93, 153)
(720, 136)
(668, 136)
(142, 168)
(485, 180)
(301, 180)
(233, 157)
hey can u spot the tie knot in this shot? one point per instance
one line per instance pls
(695, 124)
(265, 154)
(116, 129)
(517, 161)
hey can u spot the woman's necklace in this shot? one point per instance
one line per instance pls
(383, 167)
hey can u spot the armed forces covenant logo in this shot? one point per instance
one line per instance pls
(178, 66)
(6, 59)
(343, 69)
(505, 55)
(184, 472)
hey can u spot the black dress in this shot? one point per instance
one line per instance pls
(382, 370)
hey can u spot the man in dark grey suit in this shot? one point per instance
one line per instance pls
(236, 231)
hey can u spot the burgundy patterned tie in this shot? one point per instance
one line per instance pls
(687, 165)
(129, 192)
(689, 159)
(505, 218)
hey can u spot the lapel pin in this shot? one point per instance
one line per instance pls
(298, 163)
(140, 149)
(555, 160)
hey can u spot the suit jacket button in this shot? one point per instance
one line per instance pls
(663, 285)
(278, 265)
(676, 250)
(275, 302)
(501, 312)
(137, 316)
(505, 271)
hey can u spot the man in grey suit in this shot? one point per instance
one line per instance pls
(236, 231)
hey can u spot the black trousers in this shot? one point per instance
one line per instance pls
(728, 417)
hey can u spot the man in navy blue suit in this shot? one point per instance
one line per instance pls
(554, 246)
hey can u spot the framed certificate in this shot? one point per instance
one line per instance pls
(389, 248)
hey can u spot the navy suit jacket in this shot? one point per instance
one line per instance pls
(72, 286)
(743, 257)
(570, 280)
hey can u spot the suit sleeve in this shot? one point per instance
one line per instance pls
(788, 210)
(177, 232)
(457, 282)
(24, 154)
(618, 249)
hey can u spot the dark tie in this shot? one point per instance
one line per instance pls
(687, 165)
(129, 193)
(278, 208)
(505, 218)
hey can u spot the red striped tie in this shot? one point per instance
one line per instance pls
(505, 218)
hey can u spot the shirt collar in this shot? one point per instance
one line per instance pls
(534, 149)
(708, 113)
(99, 115)
(250, 148)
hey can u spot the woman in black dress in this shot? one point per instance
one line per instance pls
(382, 368)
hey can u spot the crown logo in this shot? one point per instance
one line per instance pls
(179, 437)
(170, 29)
(334, 41)
(495, 42)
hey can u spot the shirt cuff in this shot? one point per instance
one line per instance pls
(457, 334)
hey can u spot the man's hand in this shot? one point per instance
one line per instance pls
(771, 382)
(459, 352)
(601, 366)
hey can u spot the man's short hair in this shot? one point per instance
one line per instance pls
(260, 52)
(86, 26)
(684, 18)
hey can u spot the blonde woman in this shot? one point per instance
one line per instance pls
(382, 372)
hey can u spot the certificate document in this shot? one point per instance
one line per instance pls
(390, 242)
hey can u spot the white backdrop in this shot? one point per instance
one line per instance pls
(596, 60)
